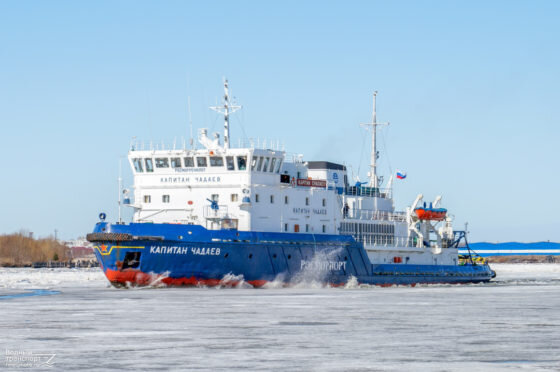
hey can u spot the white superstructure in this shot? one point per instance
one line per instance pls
(262, 189)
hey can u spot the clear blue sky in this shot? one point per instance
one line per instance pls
(471, 90)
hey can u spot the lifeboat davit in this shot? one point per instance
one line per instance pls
(434, 214)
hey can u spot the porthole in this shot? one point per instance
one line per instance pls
(289, 256)
(226, 255)
(180, 237)
(250, 255)
(274, 255)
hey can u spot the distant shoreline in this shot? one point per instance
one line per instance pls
(523, 259)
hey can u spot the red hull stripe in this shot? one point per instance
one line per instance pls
(141, 278)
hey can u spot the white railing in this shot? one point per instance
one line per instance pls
(216, 214)
(361, 214)
(183, 144)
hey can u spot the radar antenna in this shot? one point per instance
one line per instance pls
(226, 109)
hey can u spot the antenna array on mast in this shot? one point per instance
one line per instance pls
(373, 178)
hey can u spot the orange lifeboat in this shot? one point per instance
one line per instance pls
(433, 214)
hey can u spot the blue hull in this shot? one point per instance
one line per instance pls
(140, 254)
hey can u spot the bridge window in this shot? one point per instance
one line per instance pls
(241, 163)
(175, 162)
(147, 199)
(265, 167)
(259, 167)
(272, 162)
(165, 198)
(216, 161)
(138, 165)
(279, 166)
(162, 162)
(149, 165)
(189, 162)
(254, 163)
(201, 161)
(229, 163)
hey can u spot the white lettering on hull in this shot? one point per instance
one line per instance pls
(323, 265)
(206, 251)
(184, 250)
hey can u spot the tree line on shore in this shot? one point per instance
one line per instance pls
(21, 249)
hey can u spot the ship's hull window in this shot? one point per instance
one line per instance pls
(229, 163)
(324, 228)
(165, 198)
(147, 199)
(201, 161)
(216, 161)
(271, 199)
(306, 201)
(242, 163)
(162, 162)
(189, 162)
(285, 200)
(175, 162)
(234, 197)
(286, 227)
(256, 198)
(324, 202)
(149, 165)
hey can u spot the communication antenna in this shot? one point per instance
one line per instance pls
(120, 188)
(374, 180)
(191, 141)
(226, 109)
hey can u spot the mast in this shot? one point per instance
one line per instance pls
(373, 178)
(226, 109)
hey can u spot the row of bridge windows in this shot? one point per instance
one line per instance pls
(258, 164)
(231, 163)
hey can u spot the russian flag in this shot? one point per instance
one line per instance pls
(401, 175)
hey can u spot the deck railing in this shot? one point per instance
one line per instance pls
(361, 214)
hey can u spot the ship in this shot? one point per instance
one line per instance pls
(214, 214)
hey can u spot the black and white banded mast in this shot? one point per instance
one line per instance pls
(226, 109)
